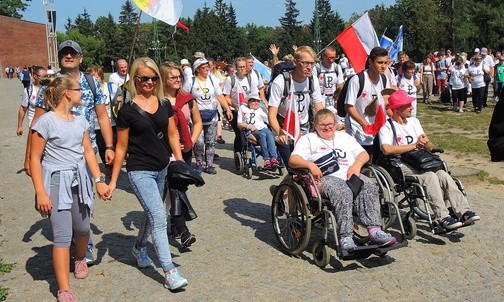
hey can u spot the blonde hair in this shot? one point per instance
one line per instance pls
(323, 113)
(56, 89)
(165, 69)
(149, 63)
(304, 49)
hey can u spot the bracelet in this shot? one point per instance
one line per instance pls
(360, 161)
(110, 148)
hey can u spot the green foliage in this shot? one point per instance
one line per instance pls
(84, 24)
(4, 268)
(11, 8)
(93, 49)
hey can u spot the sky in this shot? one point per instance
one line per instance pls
(260, 12)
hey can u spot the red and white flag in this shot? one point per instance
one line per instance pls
(241, 94)
(291, 125)
(358, 40)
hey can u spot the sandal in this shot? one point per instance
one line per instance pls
(220, 140)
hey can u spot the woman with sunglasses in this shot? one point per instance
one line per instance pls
(189, 127)
(143, 127)
(334, 158)
(207, 93)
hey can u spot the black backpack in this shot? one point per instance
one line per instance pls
(283, 68)
(340, 104)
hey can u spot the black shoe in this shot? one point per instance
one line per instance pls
(216, 156)
(187, 239)
(469, 217)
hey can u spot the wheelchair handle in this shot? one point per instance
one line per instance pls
(437, 150)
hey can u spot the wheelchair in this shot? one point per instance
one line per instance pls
(246, 160)
(409, 193)
(298, 206)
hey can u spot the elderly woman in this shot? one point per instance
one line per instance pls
(333, 157)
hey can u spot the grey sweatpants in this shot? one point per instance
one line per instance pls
(66, 222)
(367, 203)
(205, 144)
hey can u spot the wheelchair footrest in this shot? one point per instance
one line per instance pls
(363, 252)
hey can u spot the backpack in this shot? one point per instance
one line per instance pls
(233, 80)
(340, 103)
(281, 68)
(89, 78)
(333, 64)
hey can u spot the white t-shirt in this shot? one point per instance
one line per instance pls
(117, 79)
(300, 95)
(408, 85)
(369, 91)
(188, 74)
(205, 93)
(323, 153)
(108, 95)
(458, 78)
(343, 62)
(329, 78)
(257, 117)
(240, 85)
(406, 134)
(256, 79)
(487, 63)
(476, 74)
(28, 101)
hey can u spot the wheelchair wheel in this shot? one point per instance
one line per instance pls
(386, 191)
(420, 208)
(291, 220)
(410, 228)
(238, 162)
(321, 254)
(249, 172)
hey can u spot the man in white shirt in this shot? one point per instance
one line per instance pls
(330, 77)
(403, 134)
(121, 76)
(488, 67)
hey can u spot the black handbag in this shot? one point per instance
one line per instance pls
(423, 160)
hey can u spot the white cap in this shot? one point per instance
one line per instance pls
(199, 62)
(253, 95)
(484, 51)
(477, 50)
(184, 62)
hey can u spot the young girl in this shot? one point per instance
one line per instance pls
(253, 118)
(60, 149)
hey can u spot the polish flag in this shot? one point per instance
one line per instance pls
(291, 124)
(358, 40)
(380, 120)
(241, 94)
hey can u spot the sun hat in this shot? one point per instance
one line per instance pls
(69, 43)
(477, 50)
(198, 54)
(184, 62)
(253, 96)
(199, 62)
(398, 99)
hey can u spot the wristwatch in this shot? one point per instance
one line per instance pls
(100, 179)
(110, 148)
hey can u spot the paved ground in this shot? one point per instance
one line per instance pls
(236, 256)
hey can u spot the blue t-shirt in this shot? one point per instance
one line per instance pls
(441, 74)
(87, 104)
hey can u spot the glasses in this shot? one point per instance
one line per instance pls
(174, 78)
(241, 67)
(253, 101)
(154, 79)
(323, 126)
(306, 63)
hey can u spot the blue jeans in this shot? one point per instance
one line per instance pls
(267, 142)
(154, 218)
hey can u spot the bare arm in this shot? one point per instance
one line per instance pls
(225, 106)
(102, 189)
(38, 113)
(173, 139)
(120, 154)
(275, 126)
(21, 115)
(356, 116)
(43, 199)
(106, 130)
(197, 123)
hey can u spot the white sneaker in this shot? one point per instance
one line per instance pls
(174, 280)
(143, 260)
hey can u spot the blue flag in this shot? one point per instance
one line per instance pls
(264, 70)
(397, 46)
(386, 42)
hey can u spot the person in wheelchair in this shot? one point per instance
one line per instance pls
(252, 117)
(335, 159)
(409, 135)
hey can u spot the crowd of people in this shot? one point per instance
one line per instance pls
(155, 115)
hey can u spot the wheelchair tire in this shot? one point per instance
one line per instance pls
(238, 161)
(292, 227)
(410, 228)
(280, 171)
(249, 172)
(321, 254)
(386, 191)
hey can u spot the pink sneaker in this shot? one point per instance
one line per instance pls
(81, 269)
(66, 296)
(267, 164)
(274, 163)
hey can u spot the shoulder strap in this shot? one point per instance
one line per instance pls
(29, 91)
(233, 81)
(192, 85)
(287, 83)
(310, 84)
(360, 76)
(109, 86)
(335, 69)
(317, 66)
(249, 79)
(91, 82)
(155, 127)
(393, 131)
(257, 74)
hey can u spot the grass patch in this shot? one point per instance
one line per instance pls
(4, 268)
(465, 133)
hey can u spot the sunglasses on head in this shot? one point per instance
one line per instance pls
(146, 79)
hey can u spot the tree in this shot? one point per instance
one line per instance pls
(290, 24)
(84, 24)
(11, 8)
(68, 25)
(330, 21)
(128, 20)
(106, 30)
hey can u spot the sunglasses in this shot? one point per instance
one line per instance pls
(154, 79)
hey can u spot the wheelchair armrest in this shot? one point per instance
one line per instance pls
(437, 150)
(298, 171)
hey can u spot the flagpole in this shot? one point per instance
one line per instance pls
(325, 47)
(134, 39)
(384, 32)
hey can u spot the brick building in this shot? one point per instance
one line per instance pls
(22, 43)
